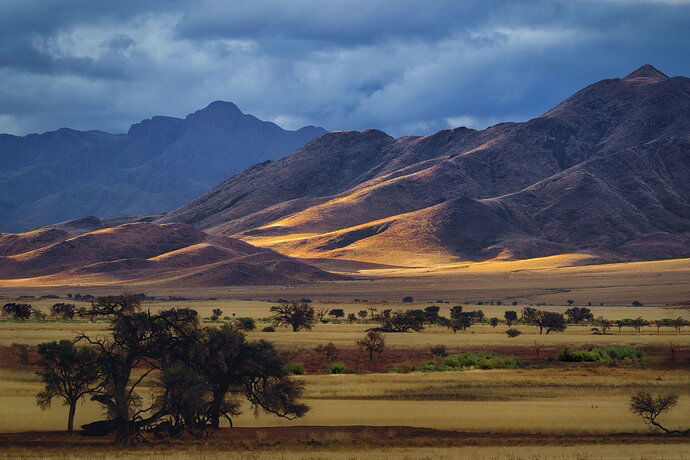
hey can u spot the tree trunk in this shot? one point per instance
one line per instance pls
(70, 417)
(218, 397)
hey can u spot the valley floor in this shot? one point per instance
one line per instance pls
(544, 409)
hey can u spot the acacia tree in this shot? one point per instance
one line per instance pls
(619, 324)
(20, 311)
(321, 313)
(137, 340)
(510, 317)
(638, 323)
(605, 324)
(231, 366)
(579, 314)
(404, 321)
(373, 342)
(649, 407)
(63, 310)
(329, 351)
(217, 364)
(296, 315)
(548, 320)
(67, 372)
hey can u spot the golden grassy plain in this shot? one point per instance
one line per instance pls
(554, 402)
(551, 279)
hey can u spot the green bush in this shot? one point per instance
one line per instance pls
(268, 329)
(468, 360)
(336, 368)
(295, 368)
(596, 355)
(403, 369)
(245, 323)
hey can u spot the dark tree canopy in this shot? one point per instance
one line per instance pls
(67, 372)
(372, 342)
(404, 321)
(296, 315)
(649, 407)
(63, 310)
(20, 311)
(579, 314)
(202, 373)
(510, 317)
(551, 321)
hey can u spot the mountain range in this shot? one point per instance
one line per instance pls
(606, 172)
(158, 165)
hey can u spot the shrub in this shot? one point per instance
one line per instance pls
(329, 351)
(295, 368)
(336, 368)
(482, 360)
(604, 354)
(268, 329)
(403, 368)
(439, 350)
(464, 361)
(245, 323)
(337, 313)
(512, 332)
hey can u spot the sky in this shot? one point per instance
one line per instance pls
(406, 67)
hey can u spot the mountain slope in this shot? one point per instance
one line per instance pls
(604, 172)
(158, 165)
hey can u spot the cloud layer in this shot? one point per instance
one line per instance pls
(406, 67)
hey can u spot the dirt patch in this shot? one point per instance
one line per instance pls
(324, 436)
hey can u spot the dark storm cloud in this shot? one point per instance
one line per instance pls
(403, 66)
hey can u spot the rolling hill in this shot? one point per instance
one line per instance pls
(146, 253)
(158, 165)
(604, 173)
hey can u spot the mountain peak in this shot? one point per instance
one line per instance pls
(647, 72)
(219, 111)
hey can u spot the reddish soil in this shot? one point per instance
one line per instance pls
(358, 361)
(318, 436)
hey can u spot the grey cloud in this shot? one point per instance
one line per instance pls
(404, 66)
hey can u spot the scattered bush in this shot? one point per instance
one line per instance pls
(604, 354)
(295, 369)
(470, 360)
(336, 368)
(439, 350)
(512, 332)
(245, 323)
(268, 329)
(337, 313)
(329, 351)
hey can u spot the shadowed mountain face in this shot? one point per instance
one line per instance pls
(604, 172)
(158, 165)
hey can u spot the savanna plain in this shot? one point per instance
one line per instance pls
(474, 392)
